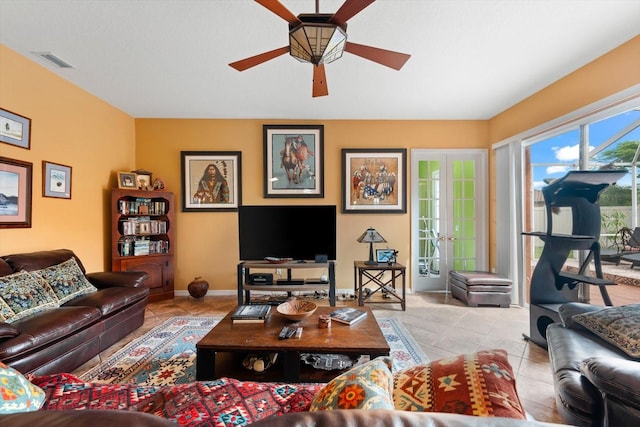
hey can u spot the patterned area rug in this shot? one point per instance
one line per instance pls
(166, 355)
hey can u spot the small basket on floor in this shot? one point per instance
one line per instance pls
(476, 288)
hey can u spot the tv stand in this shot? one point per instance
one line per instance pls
(289, 285)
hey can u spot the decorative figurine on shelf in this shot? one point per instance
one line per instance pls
(158, 184)
(393, 257)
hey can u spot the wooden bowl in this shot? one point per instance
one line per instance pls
(297, 309)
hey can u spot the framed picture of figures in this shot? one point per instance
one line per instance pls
(211, 180)
(374, 180)
(293, 160)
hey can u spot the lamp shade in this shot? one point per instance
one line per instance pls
(317, 43)
(371, 236)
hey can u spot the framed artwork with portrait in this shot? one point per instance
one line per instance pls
(211, 180)
(293, 161)
(127, 180)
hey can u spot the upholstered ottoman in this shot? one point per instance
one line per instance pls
(477, 288)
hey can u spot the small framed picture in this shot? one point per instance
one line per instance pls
(127, 180)
(385, 256)
(56, 180)
(15, 129)
(143, 179)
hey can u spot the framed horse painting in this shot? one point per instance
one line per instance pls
(293, 160)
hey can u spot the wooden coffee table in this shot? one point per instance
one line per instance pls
(220, 352)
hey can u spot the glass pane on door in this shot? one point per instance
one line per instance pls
(464, 220)
(429, 218)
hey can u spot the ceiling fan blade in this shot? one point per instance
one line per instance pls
(348, 10)
(276, 7)
(320, 87)
(385, 57)
(252, 61)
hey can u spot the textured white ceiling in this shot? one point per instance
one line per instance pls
(471, 59)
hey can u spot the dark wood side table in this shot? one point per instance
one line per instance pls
(385, 285)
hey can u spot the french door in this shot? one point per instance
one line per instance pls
(448, 215)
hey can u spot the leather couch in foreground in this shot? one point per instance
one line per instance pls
(338, 418)
(596, 383)
(60, 338)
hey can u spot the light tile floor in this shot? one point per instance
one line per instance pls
(441, 328)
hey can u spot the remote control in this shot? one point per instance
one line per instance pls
(291, 332)
(283, 333)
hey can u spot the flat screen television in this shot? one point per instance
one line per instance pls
(299, 232)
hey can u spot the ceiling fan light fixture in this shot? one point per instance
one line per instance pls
(317, 43)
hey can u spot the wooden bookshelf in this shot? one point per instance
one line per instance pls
(143, 237)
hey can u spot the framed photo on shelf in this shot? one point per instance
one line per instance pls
(127, 180)
(15, 129)
(56, 180)
(211, 180)
(143, 179)
(374, 180)
(293, 161)
(15, 193)
(385, 256)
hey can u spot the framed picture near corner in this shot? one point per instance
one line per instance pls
(15, 129)
(374, 180)
(15, 193)
(211, 180)
(293, 161)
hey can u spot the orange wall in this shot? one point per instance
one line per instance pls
(613, 72)
(207, 243)
(71, 127)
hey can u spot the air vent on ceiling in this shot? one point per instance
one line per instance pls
(54, 59)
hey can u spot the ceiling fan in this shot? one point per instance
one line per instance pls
(320, 38)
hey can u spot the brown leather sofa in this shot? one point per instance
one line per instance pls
(596, 384)
(340, 418)
(63, 338)
(388, 418)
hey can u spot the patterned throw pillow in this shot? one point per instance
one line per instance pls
(66, 279)
(619, 326)
(368, 386)
(17, 394)
(480, 384)
(23, 294)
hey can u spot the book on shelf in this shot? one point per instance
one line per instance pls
(348, 315)
(251, 313)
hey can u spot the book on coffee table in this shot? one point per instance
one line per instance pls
(251, 313)
(348, 315)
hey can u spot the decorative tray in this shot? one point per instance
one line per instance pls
(274, 260)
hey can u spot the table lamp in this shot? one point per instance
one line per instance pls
(371, 236)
